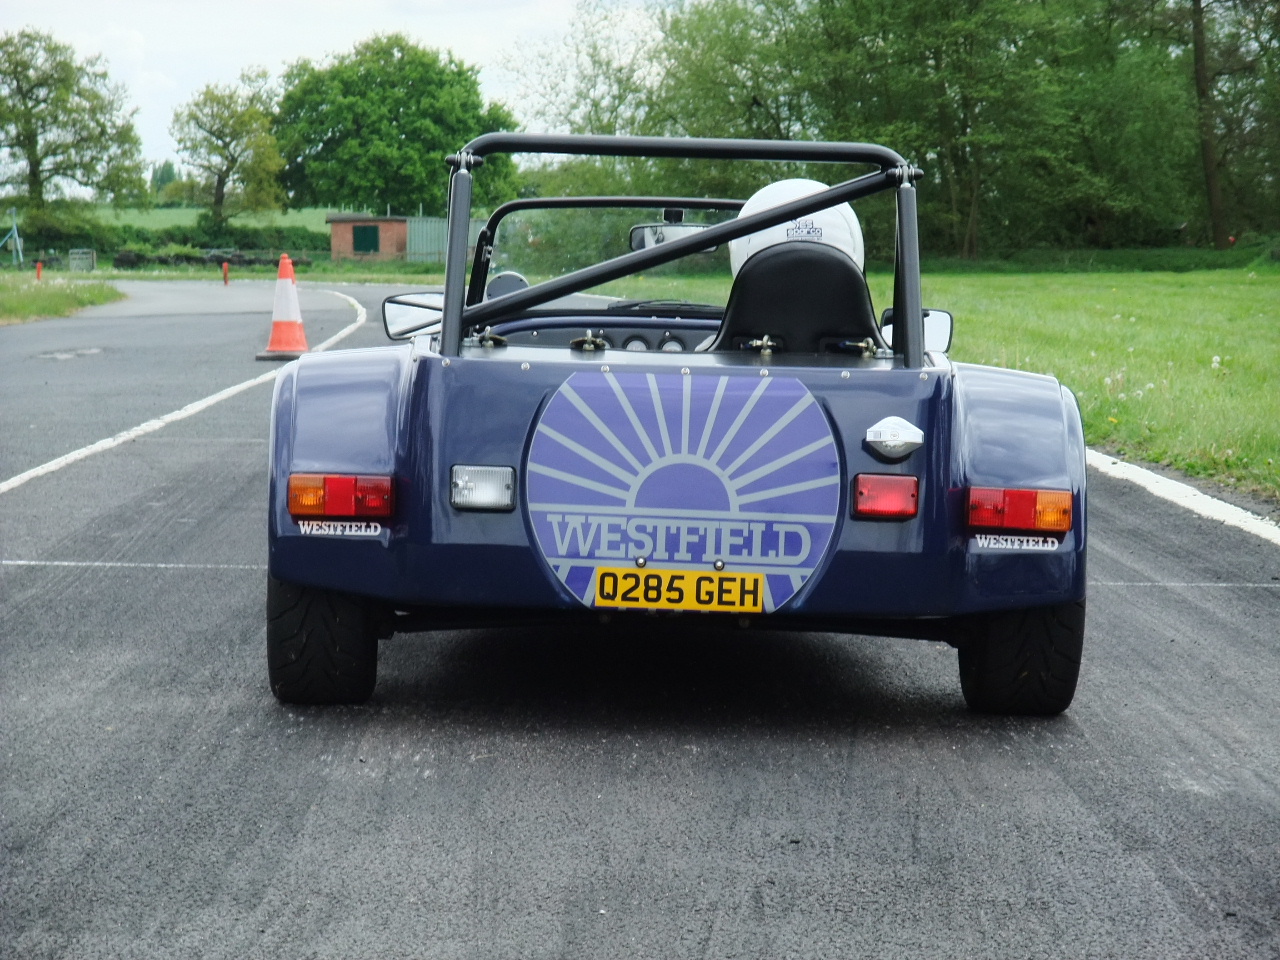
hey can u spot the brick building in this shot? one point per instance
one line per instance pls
(361, 236)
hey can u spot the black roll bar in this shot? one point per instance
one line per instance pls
(692, 148)
(894, 172)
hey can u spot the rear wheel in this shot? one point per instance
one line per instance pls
(322, 646)
(1023, 661)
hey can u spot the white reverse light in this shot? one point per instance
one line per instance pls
(482, 488)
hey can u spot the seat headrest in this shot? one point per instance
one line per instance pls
(806, 297)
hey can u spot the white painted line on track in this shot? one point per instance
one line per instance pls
(190, 409)
(1185, 495)
(141, 566)
(349, 328)
(1155, 583)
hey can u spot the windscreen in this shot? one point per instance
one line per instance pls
(543, 244)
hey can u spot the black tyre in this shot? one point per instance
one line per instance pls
(322, 646)
(1023, 661)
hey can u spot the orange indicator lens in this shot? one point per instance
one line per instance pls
(1053, 510)
(885, 495)
(306, 495)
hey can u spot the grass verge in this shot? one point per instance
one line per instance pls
(23, 298)
(1174, 368)
(157, 218)
(342, 271)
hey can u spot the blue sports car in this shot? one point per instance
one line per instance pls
(677, 407)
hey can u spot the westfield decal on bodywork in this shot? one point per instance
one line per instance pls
(1016, 543)
(338, 528)
(682, 472)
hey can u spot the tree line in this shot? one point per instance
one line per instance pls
(370, 128)
(1056, 123)
(1064, 123)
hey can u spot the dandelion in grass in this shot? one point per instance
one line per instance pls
(1217, 363)
(1121, 397)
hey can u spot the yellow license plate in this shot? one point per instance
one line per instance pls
(642, 589)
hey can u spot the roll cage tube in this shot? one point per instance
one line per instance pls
(908, 339)
(690, 148)
(894, 172)
(489, 232)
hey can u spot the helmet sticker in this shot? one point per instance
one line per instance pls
(804, 230)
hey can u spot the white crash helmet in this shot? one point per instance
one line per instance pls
(836, 226)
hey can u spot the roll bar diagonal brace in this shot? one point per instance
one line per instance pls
(894, 173)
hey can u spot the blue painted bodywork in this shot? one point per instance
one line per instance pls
(412, 414)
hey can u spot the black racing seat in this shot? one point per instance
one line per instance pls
(805, 297)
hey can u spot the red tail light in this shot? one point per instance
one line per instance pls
(997, 508)
(891, 495)
(339, 495)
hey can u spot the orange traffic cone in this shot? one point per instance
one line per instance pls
(288, 339)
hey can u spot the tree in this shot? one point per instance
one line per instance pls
(1235, 56)
(225, 133)
(373, 127)
(162, 174)
(63, 122)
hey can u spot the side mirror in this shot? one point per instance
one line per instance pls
(938, 328)
(409, 314)
(646, 235)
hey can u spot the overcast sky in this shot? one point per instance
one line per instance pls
(163, 52)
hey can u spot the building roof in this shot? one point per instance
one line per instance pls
(361, 218)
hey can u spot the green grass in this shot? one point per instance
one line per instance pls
(339, 271)
(23, 298)
(1173, 368)
(159, 217)
(1161, 259)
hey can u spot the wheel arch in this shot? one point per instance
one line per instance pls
(344, 412)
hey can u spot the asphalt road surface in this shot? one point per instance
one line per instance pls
(540, 794)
